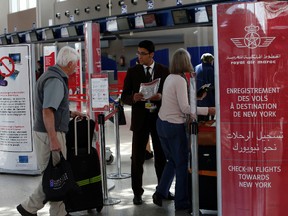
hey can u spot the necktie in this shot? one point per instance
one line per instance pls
(148, 75)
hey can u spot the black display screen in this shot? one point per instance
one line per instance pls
(180, 17)
(123, 24)
(149, 20)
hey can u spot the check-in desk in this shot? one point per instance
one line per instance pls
(207, 165)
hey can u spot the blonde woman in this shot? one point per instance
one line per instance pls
(172, 133)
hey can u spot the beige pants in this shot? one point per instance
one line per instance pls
(42, 147)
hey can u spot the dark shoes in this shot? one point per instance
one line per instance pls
(157, 199)
(137, 200)
(23, 212)
(148, 155)
(170, 196)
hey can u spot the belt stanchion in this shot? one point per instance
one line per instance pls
(194, 149)
(106, 200)
(194, 165)
(118, 175)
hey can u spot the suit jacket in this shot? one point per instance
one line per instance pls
(141, 117)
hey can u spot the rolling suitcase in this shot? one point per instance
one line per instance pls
(85, 166)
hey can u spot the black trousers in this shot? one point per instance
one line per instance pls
(139, 142)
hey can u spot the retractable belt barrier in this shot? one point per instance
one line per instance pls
(106, 200)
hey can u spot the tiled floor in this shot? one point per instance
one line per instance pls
(15, 188)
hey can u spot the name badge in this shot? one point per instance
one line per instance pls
(150, 106)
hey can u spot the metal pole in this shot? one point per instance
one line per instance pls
(194, 150)
(194, 165)
(106, 200)
(117, 175)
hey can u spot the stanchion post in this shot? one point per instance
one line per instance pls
(117, 175)
(194, 150)
(194, 165)
(106, 200)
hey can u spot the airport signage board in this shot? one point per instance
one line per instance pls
(253, 119)
(17, 76)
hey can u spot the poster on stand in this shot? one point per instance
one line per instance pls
(75, 83)
(17, 78)
(253, 122)
(100, 93)
(50, 53)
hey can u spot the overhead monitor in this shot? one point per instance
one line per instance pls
(33, 36)
(3, 40)
(123, 24)
(111, 25)
(64, 32)
(79, 29)
(139, 22)
(201, 15)
(72, 32)
(180, 17)
(15, 38)
(209, 12)
(48, 34)
(149, 20)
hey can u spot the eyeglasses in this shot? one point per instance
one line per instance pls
(141, 54)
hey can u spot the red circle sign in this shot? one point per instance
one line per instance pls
(4, 64)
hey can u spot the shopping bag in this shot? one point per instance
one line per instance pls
(58, 180)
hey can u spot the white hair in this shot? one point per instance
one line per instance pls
(66, 55)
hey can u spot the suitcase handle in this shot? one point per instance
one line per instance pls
(75, 132)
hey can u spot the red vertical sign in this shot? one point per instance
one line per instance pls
(49, 56)
(253, 90)
(96, 48)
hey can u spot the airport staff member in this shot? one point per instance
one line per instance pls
(143, 120)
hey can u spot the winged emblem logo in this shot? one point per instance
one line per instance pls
(252, 39)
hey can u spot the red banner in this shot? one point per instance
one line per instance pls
(96, 48)
(253, 87)
(49, 56)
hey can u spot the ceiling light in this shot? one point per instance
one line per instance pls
(77, 11)
(67, 13)
(109, 5)
(121, 3)
(98, 7)
(134, 2)
(87, 9)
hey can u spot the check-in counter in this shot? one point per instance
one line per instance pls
(207, 165)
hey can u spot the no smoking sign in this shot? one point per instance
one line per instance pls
(7, 66)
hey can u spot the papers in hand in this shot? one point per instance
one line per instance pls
(203, 89)
(149, 89)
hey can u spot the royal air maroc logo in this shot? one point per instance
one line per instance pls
(252, 39)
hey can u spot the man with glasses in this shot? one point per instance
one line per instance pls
(143, 120)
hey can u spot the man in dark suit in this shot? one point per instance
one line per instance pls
(143, 120)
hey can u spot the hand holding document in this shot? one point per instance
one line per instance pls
(149, 89)
(203, 90)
